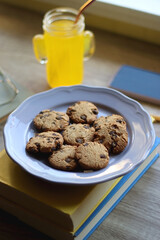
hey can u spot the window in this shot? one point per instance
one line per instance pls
(134, 18)
(144, 13)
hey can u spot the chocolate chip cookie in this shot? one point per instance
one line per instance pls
(76, 134)
(92, 156)
(49, 120)
(109, 119)
(83, 112)
(64, 158)
(44, 142)
(111, 131)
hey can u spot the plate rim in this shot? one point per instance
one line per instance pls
(71, 88)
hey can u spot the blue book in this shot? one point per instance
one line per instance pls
(138, 83)
(116, 195)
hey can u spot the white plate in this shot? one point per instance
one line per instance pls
(19, 128)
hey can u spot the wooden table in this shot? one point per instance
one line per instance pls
(138, 215)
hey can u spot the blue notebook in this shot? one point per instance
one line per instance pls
(138, 83)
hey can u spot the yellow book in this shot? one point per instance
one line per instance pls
(66, 205)
(63, 211)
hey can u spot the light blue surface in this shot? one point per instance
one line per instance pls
(19, 128)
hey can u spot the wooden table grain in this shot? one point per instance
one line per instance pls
(137, 216)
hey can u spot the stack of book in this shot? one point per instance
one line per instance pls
(63, 211)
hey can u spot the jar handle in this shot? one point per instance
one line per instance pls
(89, 45)
(39, 48)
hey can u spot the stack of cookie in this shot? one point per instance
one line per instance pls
(77, 140)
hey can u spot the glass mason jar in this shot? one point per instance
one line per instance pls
(63, 46)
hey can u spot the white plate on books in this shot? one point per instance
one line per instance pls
(19, 128)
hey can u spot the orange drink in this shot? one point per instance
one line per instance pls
(65, 55)
(63, 47)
